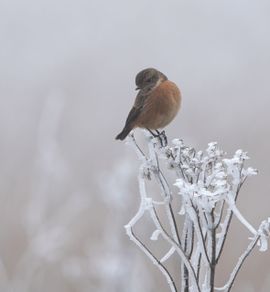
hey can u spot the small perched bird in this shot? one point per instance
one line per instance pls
(156, 104)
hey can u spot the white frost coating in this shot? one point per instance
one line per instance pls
(264, 232)
(207, 187)
(239, 216)
(168, 255)
(155, 235)
(250, 171)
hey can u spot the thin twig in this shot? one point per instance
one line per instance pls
(195, 218)
(167, 194)
(227, 223)
(239, 264)
(178, 248)
(155, 261)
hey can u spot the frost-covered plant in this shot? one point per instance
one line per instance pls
(208, 185)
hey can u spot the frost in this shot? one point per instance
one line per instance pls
(251, 171)
(182, 210)
(168, 255)
(177, 142)
(155, 235)
(206, 189)
(264, 232)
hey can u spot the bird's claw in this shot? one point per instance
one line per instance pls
(162, 139)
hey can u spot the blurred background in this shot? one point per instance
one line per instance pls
(67, 187)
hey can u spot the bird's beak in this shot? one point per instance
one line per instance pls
(137, 88)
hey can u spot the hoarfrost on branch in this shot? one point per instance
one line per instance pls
(208, 185)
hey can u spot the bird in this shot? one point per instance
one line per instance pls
(156, 104)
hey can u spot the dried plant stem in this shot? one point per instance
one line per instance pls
(239, 264)
(208, 186)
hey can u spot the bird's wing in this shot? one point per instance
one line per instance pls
(142, 97)
(133, 115)
(140, 102)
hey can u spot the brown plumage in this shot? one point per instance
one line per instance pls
(156, 104)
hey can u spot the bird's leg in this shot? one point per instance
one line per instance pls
(152, 133)
(156, 136)
(161, 136)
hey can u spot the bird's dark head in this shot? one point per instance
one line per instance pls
(149, 78)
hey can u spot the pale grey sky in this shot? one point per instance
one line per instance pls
(84, 55)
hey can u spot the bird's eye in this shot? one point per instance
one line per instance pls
(148, 80)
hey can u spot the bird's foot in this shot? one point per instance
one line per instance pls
(161, 137)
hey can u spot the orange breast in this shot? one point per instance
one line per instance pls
(161, 106)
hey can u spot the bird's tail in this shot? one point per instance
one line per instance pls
(124, 133)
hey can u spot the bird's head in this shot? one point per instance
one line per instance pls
(149, 78)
